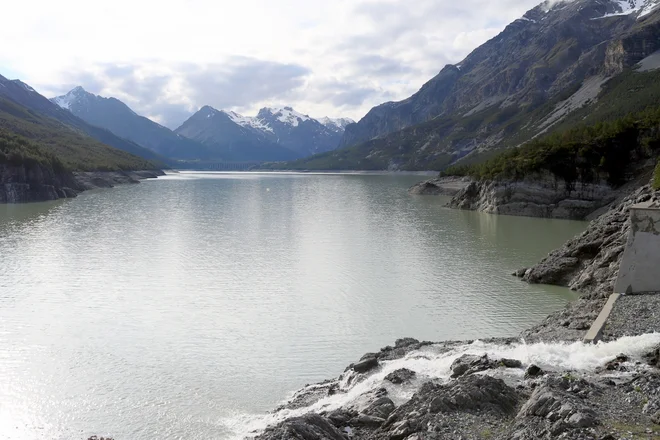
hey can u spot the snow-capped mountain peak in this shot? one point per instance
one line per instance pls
(248, 121)
(333, 123)
(65, 101)
(285, 115)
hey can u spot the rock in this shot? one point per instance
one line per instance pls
(401, 430)
(511, 363)
(439, 186)
(615, 364)
(365, 365)
(520, 272)
(468, 364)
(367, 420)
(405, 342)
(381, 407)
(655, 418)
(653, 357)
(533, 371)
(539, 198)
(402, 375)
(581, 420)
(340, 417)
(470, 393)
(307, 427)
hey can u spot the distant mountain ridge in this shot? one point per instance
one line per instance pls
(274, 134)
(112, 114)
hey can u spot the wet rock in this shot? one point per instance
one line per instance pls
(307, 427)
(653, 357)
(534, 371)
(365, 365)
(511, 363)
(615, 364)
(402, 375)
(381, 407)
(468, 364)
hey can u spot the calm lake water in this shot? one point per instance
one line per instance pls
(178, 307)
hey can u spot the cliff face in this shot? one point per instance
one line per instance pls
(533, 199)
(35, 183)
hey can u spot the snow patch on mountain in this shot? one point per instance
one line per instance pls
(65, 101)
(248, 121)
(336, 123)
(629, 7)
(288, 115)
(25, 86)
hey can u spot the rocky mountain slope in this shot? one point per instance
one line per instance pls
(117, 117)
(538, 71)
(274, 134)
(25, 96)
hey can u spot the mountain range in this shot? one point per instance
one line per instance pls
(560, 64)
(210, 134)
(539, 74)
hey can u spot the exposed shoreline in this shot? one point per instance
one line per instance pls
(491, 398)
(36, 183)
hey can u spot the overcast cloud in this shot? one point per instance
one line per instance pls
(167, 59)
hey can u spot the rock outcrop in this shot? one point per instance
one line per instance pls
(539, 198)
(445, 186)
(39, 183)
(35, 183)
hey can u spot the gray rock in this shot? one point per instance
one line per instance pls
(308, 427)
(400, 376)
(468, 364)
(534, 371)
(381, 407)
(366, 364)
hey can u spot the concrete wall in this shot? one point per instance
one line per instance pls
(640, 266)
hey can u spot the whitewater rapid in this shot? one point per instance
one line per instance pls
(433, 362)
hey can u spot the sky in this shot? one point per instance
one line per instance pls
(168, 58)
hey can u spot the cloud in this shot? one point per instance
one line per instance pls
(172, 94)
(336, 58)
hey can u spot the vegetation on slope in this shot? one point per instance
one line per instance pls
(17, 150)
(35, 137)
(435, 144)
(656, 177)
(585, 153)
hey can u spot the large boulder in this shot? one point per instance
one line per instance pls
(307, 427)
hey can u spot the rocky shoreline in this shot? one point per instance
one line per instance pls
(37, 183)
(545, 384)
(538, 198)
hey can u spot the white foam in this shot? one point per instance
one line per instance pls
(433, 362)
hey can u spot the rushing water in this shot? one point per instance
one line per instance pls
(177, 307)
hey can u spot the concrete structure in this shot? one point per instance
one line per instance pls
(596, 330)
(640, 267)
(639, 271)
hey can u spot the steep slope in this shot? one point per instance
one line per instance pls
(114, 115)
(73, 149)
(24, 95)
(229, 140)
(542, 67)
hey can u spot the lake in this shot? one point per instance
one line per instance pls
(183, 306)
